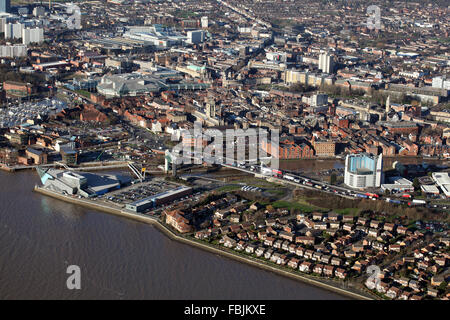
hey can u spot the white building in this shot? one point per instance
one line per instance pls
(13, 51)
(13, 30)
(244, 29)
(429, 189)
(398, 184)
(157, 35)
(326, 63)
(443, 181)
(3, 21)
(204, 21)
(316, 100)
(194, 37)
(363, 171)
(32, 35)
(441, 83)
(39, 11)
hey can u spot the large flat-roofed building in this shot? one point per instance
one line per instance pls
(401, 127)
(134, 84)
(443, 181)
(158, 199)
(156, 35)
(363, 171)
(18, 89)
(429, 189)
(398, 184)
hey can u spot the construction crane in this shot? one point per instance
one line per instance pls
(101, 153)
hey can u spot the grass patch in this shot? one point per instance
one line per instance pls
(304, 207)
(228, 188)
(185, 14)
(348, 211)
(277, 192)
(85, 93)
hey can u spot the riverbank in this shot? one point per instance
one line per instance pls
(5, 168)
(173, 235)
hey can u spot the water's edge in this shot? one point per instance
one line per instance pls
(172, 235)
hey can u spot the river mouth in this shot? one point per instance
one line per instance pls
(119, 258)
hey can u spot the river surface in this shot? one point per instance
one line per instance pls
(119, 258)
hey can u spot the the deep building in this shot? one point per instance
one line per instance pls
(80, 183)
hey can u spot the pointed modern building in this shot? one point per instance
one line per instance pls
(388, 104)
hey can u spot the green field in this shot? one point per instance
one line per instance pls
(228, 188)
(303, 207)
(348, 211)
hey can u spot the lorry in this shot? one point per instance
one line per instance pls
(416, 202)
(288, 177)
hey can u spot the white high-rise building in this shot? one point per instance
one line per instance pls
(13, 30)
(13, 51)
(363, 171)
(326, 63)
(194, 37)
(39, 11)
(441, 83)
(204, 21)
(32, 35)
(2, 24)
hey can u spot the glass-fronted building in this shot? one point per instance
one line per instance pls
(363, 171)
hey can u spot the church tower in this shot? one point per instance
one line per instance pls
(388, 104)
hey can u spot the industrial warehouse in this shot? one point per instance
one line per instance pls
(158, 199)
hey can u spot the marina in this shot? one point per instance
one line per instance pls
(22, 113)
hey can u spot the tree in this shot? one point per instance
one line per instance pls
(416, 184)
(333, 178)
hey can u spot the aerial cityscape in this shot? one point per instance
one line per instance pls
(299, 148)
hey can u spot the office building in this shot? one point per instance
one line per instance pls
(39, 11)
(32, 35)
(442, 179)
(13, 30)
(3, 21)
(363, 171)
(326, 63)
(13, 51)
(441, 83)
(5, 6)
(204, 22)
(194, 37)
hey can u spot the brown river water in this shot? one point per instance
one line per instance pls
(119, 258)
